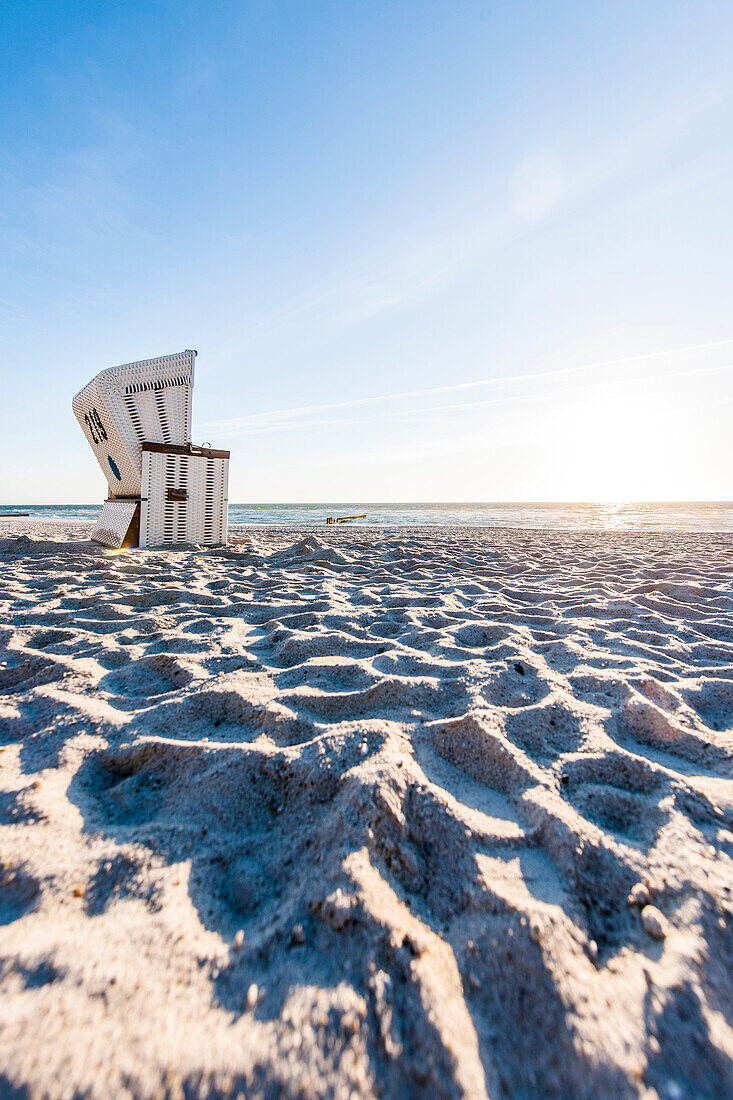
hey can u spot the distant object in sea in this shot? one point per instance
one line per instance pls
(343, 519)
(162, 489)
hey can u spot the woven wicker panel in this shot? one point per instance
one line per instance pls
(201, 518)
(114, 521)
(123, 406)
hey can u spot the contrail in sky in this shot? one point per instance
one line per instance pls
(274, 420)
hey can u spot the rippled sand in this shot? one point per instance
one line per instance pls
(395, 812)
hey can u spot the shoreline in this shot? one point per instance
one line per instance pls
(9, 528)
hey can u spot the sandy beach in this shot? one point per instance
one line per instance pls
(385, 812)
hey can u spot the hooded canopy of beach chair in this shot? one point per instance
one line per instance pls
(122, 407)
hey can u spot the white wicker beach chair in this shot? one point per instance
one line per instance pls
(137, 420)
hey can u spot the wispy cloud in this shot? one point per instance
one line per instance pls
(302, 416)
(424, 260)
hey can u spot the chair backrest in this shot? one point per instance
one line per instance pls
(122, 407)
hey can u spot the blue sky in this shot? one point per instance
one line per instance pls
(426, 251)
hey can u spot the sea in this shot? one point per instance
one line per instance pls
(656, 516)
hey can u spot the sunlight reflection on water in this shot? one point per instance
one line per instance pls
(619, 516)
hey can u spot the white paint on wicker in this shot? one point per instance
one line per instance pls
(124, 406)
(114, 521)
(202, 517)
